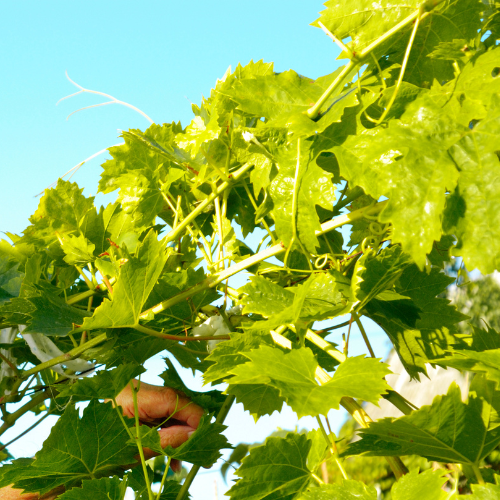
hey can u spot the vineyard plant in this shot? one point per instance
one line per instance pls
(357, 190)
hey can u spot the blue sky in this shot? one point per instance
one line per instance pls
(158, 56)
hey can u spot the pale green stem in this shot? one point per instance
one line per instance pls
(164, 477)
(120, 415)
(363, 333)
(317, 479)
(313, 111)
(478, 474)
(11, 419)
(213, 280)
(138, 440)
(172, 235)
(333, 449)
(154, 333)
(74, 353)
(178, 214)
(218, 216)
(221, 416)
(254, 204)
(296, 185)
(325, 346)
(426, 7)
(402, 71)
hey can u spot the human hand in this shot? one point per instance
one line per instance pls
(155, 404)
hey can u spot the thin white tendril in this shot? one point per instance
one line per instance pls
(73, 170)
(113, 100)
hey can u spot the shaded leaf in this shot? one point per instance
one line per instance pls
(210, 401)
(447, 431)
(203, 447)
(97, 489)
(66, 459)
(106, 384)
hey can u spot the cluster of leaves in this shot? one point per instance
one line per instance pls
(399, 146)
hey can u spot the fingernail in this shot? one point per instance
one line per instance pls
(190, 433)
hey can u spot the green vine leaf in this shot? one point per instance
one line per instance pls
(275, 470)
(447, 431)
(135, 282)
(100, 489)
(203, 447)
(423, 339)
(346, 490)
(363, 21)
(106, 384)
(293, 374)
(65, 459)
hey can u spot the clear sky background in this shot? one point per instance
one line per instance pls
(157, 55)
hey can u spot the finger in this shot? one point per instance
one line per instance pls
(176, 465)
(159, 403)
(171, 436)
(175, 436)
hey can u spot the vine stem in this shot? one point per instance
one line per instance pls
(174, 233)
(74, 353)
(12, 366)
(138, 439)
(333, 448)
(221, 416)
(11, 419)
(423, 11)
(164, 477)
(254, 205)
(154, 333)
(363, 333)
(478, 474)
(216, 278)
(403, 69)
(295, 195)
(350, 404)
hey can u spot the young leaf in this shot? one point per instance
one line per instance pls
(346, 490)
(135, 282)
(51, 315)
(141, 150)
(477, 159)
(78, 249)
(10, 279)
(257, 399)
(315, 188)
(485, 492)
(375, 273)
(275, 470)
(60, 210)
(415, 486)
(293, 374)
